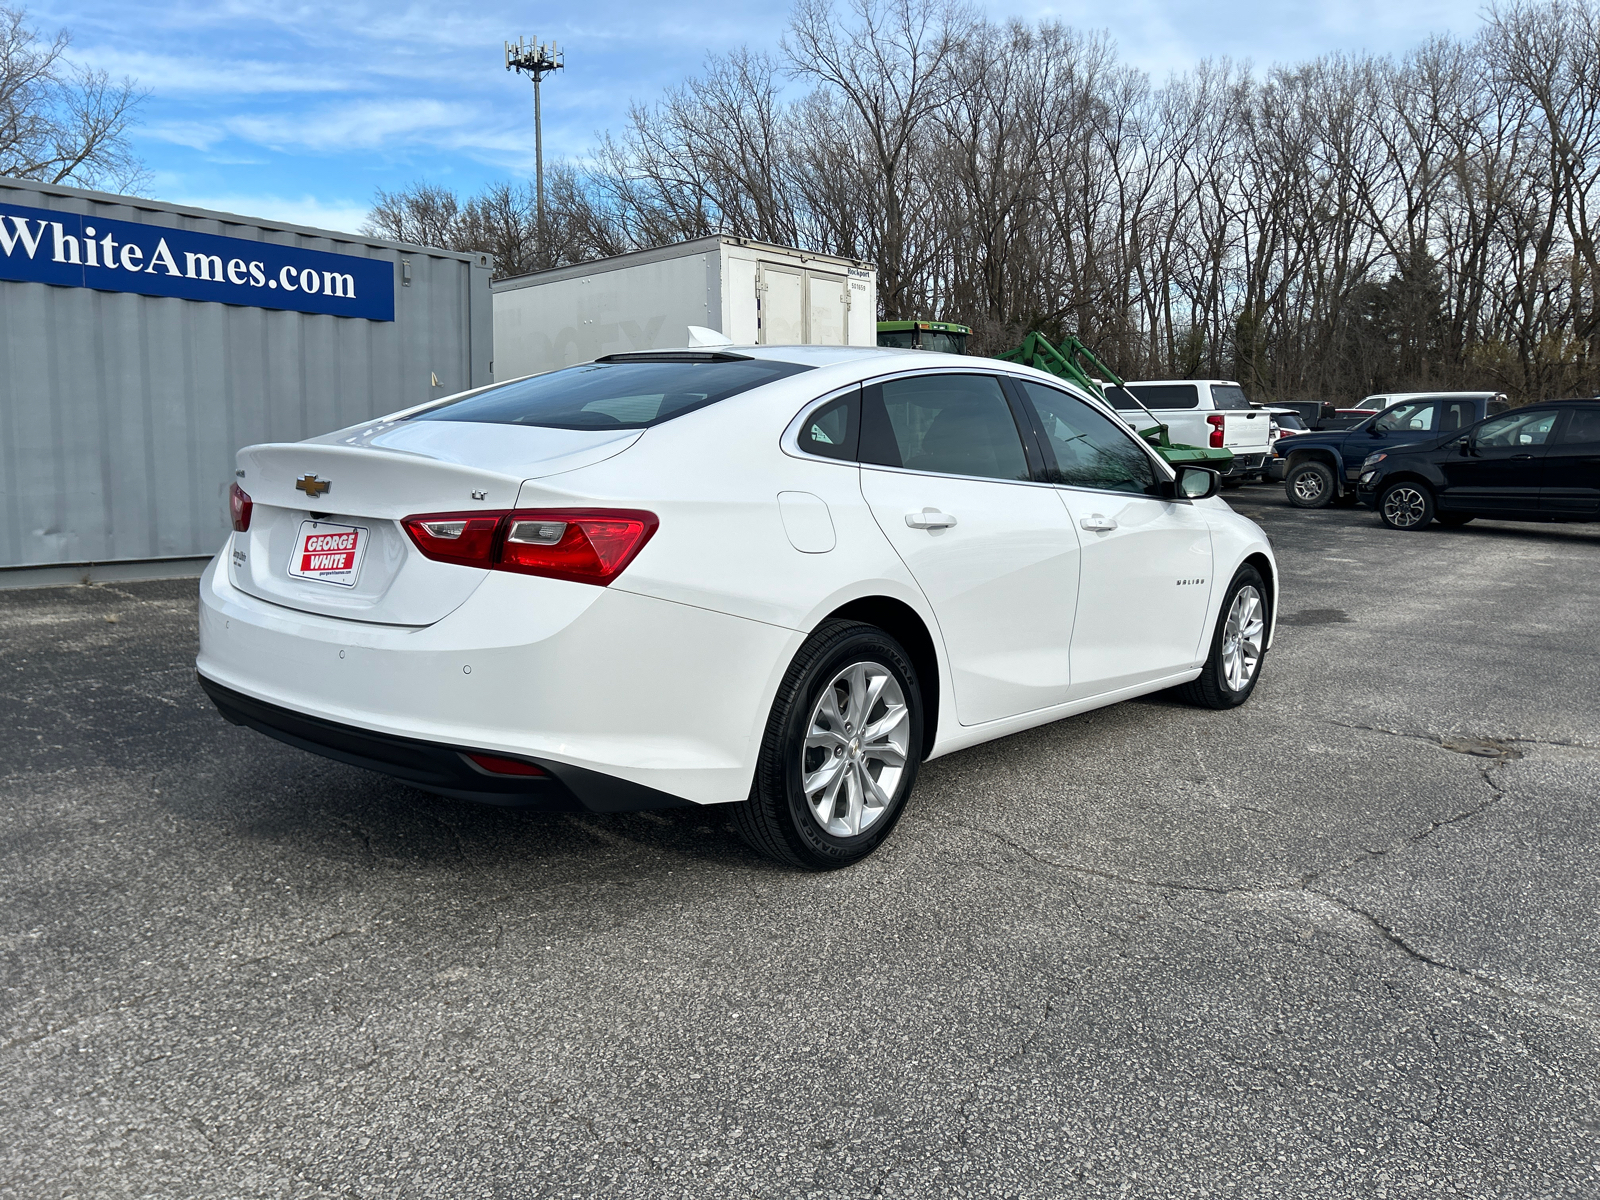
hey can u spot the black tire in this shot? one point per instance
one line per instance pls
(1452, 520)
(1310, 485)
(777, 820)
(1213, 688)
(1406, 506)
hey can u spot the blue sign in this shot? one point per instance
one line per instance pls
(72, 250)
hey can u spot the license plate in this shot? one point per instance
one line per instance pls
(328, 553)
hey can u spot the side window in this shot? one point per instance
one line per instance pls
(832, 430)
(952, 424)
(1583, 425)
(1456, 414)
(1407, 418)
(1517, 429)
(1155, 395)
(1091, 450)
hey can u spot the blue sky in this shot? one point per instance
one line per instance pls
(298, 111)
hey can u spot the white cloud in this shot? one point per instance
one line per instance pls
(197, 135)
(172, 74)
(340, 216)
(366, 125)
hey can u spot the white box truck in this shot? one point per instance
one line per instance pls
(751, 292)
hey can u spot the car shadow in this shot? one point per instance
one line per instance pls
(1567, 533)
(266, 792)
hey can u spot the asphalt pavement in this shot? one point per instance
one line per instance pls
(1342, 942)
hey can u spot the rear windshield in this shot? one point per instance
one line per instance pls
(619, 395)
(1155, 395)
(1228, 396)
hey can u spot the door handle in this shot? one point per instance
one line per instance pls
(1516, 456)
(930, 518)
(1096, 523)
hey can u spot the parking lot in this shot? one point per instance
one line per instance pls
(1339, 942)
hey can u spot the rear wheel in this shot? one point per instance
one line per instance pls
(1406, 506)
(840, 753)
(1453, 520)
(1309, 485)
(1237, 646)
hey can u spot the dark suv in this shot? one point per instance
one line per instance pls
(1539, 463)
(1324, 465)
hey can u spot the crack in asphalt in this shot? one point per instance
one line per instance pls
(1496, 794)
(1477, 747)
(1502, 747)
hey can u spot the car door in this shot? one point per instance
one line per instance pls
(1498, 467)
(1571, 481)
(949, 481)
(1146, 580)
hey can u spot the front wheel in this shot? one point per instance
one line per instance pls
(1310, 485)
(1406, 506)
(1237, 646)
(840, 752)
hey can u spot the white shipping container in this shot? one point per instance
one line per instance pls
(751, 292)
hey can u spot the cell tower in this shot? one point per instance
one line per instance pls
(528, 56)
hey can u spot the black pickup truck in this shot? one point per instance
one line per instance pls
(1323, 466)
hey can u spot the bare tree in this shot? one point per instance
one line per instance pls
(892, 67)
(61, 122)
(1352, 223)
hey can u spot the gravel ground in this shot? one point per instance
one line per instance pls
(1340, 942)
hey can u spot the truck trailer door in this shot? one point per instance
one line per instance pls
(827, 306)
(783, 312)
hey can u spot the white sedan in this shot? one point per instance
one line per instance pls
(778, 578)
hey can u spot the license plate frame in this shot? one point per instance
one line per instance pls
(341, 562)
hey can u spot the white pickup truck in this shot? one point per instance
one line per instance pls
(1201, 412)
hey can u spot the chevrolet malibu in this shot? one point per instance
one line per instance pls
(776, 578)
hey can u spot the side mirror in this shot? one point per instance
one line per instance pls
(1198, 483)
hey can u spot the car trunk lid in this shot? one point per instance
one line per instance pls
(348, 492)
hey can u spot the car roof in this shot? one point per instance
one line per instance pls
(1558, 402)
(1142, 382)
(1397, 397)
(829, 356)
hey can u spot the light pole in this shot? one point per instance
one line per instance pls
(532, 57)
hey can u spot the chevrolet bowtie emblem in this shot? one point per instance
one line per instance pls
(312, 486)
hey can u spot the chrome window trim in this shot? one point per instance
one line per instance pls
(790, 440)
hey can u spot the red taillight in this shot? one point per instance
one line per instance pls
(463, 538)
(496, 765)
(1216, 421)
(239, 508)
(583, 545)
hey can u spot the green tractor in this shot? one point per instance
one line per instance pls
(1073, 361)
(940, 336)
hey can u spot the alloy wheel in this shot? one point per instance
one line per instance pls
(855, 749)
(1308, 485)
(1403, 507)
(1241, 638)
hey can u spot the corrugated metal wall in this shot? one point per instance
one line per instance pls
(120, 413)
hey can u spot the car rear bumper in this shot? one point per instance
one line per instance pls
(665, 697)
(435, 767)
(1245, 464)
